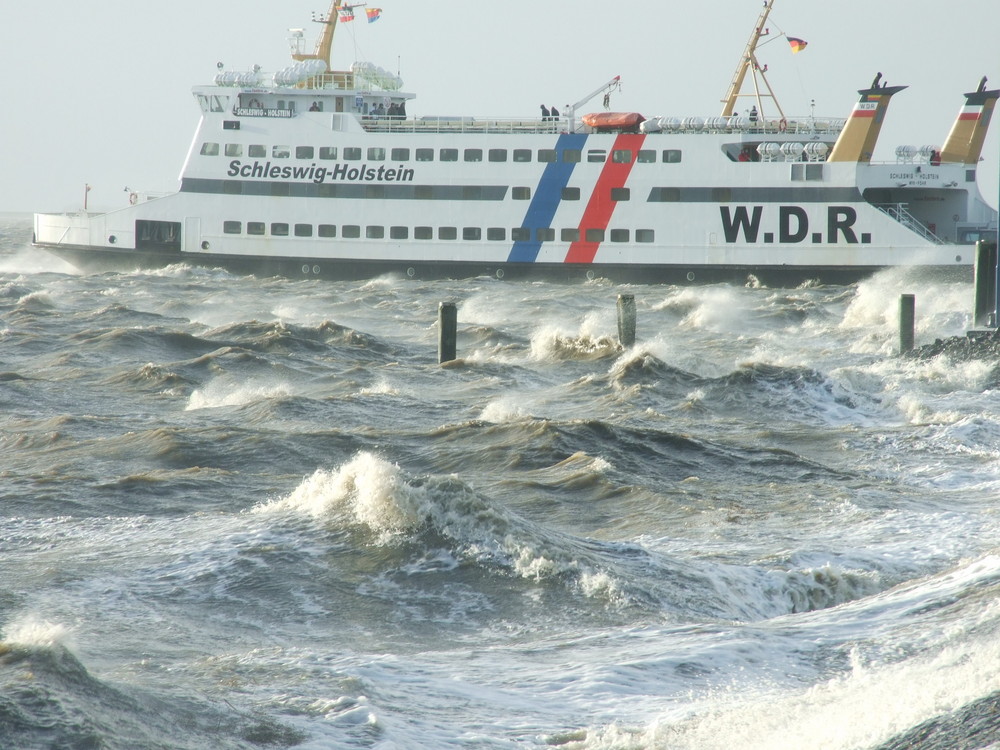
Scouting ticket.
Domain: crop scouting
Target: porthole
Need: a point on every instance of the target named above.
(958, 258)
(690, 276)
(499, 273)
(411, 272)
(112, 239)
(204, 245)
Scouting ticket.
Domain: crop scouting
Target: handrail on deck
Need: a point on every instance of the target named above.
(899, 212)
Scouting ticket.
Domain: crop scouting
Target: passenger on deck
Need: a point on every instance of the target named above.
(554, 112)
(545, 112)
(314, 107)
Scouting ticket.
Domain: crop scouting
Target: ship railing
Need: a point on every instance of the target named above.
(790, 129)
(460, 125)
(899, 212)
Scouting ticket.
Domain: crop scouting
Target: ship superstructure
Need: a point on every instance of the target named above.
(312, 171)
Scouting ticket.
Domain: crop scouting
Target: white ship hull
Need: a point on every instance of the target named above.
(269, 187)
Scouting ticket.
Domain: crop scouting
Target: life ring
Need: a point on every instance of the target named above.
(133, 198)
(782, 124)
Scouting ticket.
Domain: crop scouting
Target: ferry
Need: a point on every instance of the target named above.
(313, 172)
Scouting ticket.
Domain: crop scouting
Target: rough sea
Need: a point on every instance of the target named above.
(242, 512)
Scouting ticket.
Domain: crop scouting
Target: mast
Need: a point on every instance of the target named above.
(325, 42)
(748, 62)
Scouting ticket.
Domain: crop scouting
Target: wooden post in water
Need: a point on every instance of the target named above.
(987, 281)
(447, 331)
(907, 305)
(626, 319)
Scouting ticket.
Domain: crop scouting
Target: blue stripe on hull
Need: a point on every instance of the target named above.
(545, 201)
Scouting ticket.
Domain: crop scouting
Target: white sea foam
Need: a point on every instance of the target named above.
(33, 632)
(227, 392)
(372, 493)
(503, 409)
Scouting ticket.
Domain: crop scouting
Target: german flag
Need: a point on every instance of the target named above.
(797, 44)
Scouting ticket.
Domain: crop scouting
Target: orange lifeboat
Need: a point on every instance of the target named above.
(613, 120)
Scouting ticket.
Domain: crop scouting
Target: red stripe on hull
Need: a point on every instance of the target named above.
(600, 207)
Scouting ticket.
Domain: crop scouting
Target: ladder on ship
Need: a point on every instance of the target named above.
(899, 212)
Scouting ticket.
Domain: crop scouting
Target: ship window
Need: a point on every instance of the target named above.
(257, 151)
(217, 105)
(280, 152)
(352, 154)
(303, 230)
(595, 235)
(234, 149)
(232, 227)
(327, 230)
(350, 231)
(672, 156)
(304, 152)
(520, 234)
(546, 154)
(597, 155)
(522, 154)
(621, 193)
(255, 227)
(647, 156)
(447, 233)
(279, 229)
(545, 234)
(472, 233)
(619, 235)
(473, 154)
(472, 192)
(374, 191)
(815, 172)
(569, 235)
(425, 154)
(970, 175)
(423, 192)
(449, 154)
(571, 193)
(498, 154)
(376, 153)
(399, 233)
(621, 156)
(496, 233)
(328, 152)
(400, 154)
(423, 233)
(210, 149)
(521, 193)
(280, 188)
(572, 156)
(162, 235)
(232, 187)
(643, 235)
(722, 195)
(374, 231)
(664, 195)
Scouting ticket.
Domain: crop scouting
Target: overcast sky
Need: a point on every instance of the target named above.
(99, 92)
